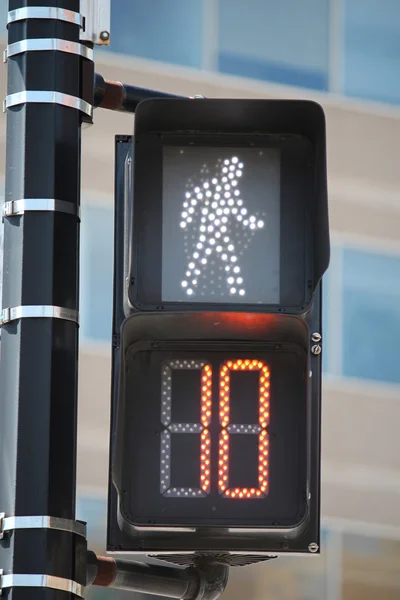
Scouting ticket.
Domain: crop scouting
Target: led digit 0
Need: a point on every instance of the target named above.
(228, 429)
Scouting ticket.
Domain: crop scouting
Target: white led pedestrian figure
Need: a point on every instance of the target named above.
(216, 210)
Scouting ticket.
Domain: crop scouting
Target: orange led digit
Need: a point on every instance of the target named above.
(224, 394)
(227, 429)
(205, 438)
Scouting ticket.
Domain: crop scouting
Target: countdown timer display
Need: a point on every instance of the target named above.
(221, 438)
(227, 429)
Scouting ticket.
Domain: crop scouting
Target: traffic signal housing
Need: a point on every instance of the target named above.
(221, 242)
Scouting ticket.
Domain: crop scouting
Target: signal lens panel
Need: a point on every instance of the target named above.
(221, 225)
(216, 437)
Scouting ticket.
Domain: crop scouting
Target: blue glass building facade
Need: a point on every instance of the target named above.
(351, 47)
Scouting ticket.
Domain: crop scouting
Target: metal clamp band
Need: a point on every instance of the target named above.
(36, 312)
(45, 12)
(12, 523)
(48, 97)
(41, 581)
(40, 44)
(15, 208)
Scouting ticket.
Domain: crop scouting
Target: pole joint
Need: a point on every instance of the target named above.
(122, 97)
(205, 580)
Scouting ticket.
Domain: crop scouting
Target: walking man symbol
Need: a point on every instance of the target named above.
(221, 227)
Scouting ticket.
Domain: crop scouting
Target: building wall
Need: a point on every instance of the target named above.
(361, 464)
(361, 393)
(361, 448)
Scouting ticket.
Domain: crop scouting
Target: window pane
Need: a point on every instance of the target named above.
(93, 510)
(3, 17)
(1, 249)
(332, 314)
(371, 568)
(372, 49)
(96, 272)
(325, 322)
(166, 30)
(283, 41)
(371, 316)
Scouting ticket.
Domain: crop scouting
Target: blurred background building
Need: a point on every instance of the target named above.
(345, 54)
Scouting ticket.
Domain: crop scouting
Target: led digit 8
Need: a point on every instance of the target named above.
(171, 428)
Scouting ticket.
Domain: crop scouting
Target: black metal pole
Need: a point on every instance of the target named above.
(50, 89)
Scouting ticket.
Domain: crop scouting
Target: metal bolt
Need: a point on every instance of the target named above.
(316, 349)
(316, 337)
(105, 35)
(313, 547)
(285, 546)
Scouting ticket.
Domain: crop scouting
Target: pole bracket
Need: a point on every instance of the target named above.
(45, 12)
(205, 580)
(14, 208)
(97, 15)
(12, 580)
(31, 312)
(8, 524)
(47, 97)
(47, 44)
